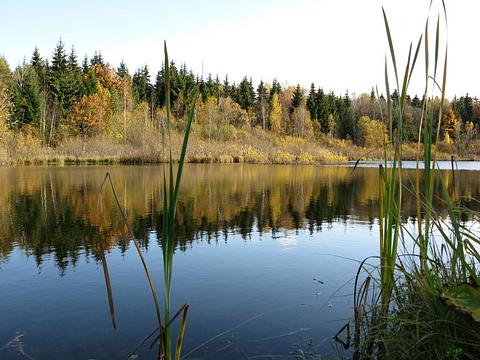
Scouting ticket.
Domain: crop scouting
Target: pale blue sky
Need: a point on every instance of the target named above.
(339, 44)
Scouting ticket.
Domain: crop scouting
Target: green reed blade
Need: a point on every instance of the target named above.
(184, 148)
(437, 44)
(389, 104)
(181, 333)
(170, 201)
(417, 50)
(390, 44)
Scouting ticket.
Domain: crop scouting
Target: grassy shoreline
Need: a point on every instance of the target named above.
(250, 146)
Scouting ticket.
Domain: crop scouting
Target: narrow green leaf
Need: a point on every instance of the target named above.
(390, 44)
(437, 45)
(181, 333)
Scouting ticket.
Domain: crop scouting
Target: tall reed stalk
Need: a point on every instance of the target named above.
(170, 199)
(390, 185)
(171, 188)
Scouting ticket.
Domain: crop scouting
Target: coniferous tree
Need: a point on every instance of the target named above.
(73, 82)
(159, 88)
(276, 88)
(36, 61)
(345, 120)
(210, 86)
(97, 59)
(416, 103)
(312, 105)
(226, 87)
(176, 85)
(141, 84)
(261, 105)
(322, 110)
(57, 77)
(202, 89)
(39, 66)
(297, 98)
(85, 65)
(217, 87)
(395, 98)
(26, 97)
(468, 108)
(90, 82)
(245, 94)
(122, 71)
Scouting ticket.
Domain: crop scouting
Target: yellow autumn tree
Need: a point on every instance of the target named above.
(276, 115)
(332, 125)
(207, 111)
(302, 123)
(5, 102)
(370, 132)
(107, 77)
(450, 125)
(90, 113)
(232, 114)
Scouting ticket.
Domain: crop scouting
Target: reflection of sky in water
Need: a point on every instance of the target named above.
(226, 284)
(443, 165)
(287, 241)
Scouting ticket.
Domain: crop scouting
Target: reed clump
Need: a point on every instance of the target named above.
(404, 307)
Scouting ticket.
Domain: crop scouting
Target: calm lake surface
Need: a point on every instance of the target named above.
(251, 241)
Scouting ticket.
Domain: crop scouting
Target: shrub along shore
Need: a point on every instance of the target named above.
(244, 146)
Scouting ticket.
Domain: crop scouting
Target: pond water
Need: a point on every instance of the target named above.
(266, 256)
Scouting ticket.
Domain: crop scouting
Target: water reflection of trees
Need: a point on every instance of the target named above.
(61, 212)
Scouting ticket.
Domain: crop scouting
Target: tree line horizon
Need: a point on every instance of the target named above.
(59, 97)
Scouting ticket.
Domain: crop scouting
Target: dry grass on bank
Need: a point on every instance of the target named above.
(225, 145)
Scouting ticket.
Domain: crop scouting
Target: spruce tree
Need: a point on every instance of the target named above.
(141, 85)
(261, 105)
(468, 108)
(85, 65)
(226, 87)
(90, 82)
(416, 102)
(322, 110)
(40, 67)
(72, 82)
(159, 88)
(276, 88)
(97, 59)
(122, 71)
(26, 97)
(312, 102)
(245, 94)
(297, 98)
(210, 86)
(59, 59)
(36, 61)
(57, 77)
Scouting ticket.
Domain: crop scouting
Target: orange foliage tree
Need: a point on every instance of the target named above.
(90, 113)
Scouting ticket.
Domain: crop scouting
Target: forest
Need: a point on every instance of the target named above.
(70, 109)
